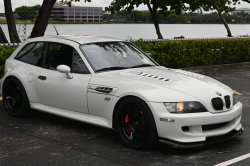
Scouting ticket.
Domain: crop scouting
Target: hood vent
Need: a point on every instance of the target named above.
(153, 76)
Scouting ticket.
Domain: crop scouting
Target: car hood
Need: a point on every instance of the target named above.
(159, 83)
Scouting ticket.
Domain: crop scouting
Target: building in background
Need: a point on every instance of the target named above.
(244, 10)
(76, 13)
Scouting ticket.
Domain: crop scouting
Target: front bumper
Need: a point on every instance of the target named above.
(196, 129)
(209, 140)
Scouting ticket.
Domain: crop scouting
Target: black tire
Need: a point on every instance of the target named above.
(135, 124)
(15, 99)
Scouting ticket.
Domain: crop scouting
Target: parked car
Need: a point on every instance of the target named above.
(113, 84)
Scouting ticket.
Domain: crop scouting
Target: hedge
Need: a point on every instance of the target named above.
(184, 53)
(5, 53)
(192, 53)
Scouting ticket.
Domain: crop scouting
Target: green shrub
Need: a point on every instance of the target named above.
(191, 53)
(5, 53)
(179, 54)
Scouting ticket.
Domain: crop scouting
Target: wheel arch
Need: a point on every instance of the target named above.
(16, 77)
(119, 102)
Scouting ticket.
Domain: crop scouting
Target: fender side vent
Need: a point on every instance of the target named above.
(103, 89)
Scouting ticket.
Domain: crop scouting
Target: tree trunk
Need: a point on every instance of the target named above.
(153, 13)
(14, 38)
(2, 36)
(42, 18)
(222, 18)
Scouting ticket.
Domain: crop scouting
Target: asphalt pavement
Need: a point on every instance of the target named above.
(45, 139)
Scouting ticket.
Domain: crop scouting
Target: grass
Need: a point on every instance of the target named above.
(3, 21)
(25, 21)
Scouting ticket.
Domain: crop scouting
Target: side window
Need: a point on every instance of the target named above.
(78, 64)
(58, 54)
(61, 54)
(32, 54)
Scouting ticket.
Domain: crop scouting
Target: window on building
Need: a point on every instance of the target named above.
(58, 9)
(65, 12)
(77, 9)
(71, 16)
(77, 16)
(32, 54)
(96, 17)
(70, 9)
(90, 16)
(96, 20)
(84, 13)
(71, 13)
(77, 13)
(96, 10)
(84, 16)
(90, 20)
(90, 13)
(57, 12)
(84, 9)
(96, 14)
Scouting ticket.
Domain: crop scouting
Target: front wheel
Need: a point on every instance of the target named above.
(135, 124)
(15, 99)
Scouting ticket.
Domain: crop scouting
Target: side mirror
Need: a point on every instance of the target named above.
(65, 69)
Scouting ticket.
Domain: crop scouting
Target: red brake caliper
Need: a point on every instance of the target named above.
(126, 121)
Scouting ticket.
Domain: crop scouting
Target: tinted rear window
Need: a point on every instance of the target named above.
(31, 53)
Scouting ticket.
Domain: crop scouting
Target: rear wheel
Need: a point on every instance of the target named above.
(15, 98)
(135, 124)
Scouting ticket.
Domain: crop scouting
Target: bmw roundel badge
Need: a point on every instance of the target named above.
(218, 93)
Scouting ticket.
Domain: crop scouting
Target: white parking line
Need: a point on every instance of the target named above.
(235, 160)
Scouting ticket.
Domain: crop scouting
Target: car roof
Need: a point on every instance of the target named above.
(81, 39)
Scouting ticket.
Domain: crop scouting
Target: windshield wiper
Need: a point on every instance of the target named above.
(111, 68)
(142, 65)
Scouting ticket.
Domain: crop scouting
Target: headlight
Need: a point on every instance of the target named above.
(185, 107)
(235, 99)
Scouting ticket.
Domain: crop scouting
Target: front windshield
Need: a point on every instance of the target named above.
(114, 55)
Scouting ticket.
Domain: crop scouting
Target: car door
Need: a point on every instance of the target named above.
(28, 62)
(54, 88)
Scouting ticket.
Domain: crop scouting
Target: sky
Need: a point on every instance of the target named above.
(94, 3)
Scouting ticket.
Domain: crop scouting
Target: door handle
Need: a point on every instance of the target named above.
(42, 77)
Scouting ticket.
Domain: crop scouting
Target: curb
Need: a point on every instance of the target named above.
(202, 69)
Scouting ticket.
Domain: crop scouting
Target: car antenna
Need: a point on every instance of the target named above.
(56, 30)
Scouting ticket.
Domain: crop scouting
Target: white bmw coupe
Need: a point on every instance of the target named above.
(112, 83)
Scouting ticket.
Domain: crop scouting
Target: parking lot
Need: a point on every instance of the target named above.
(45, 139)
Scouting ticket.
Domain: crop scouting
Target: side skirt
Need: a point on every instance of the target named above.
(95, 120)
